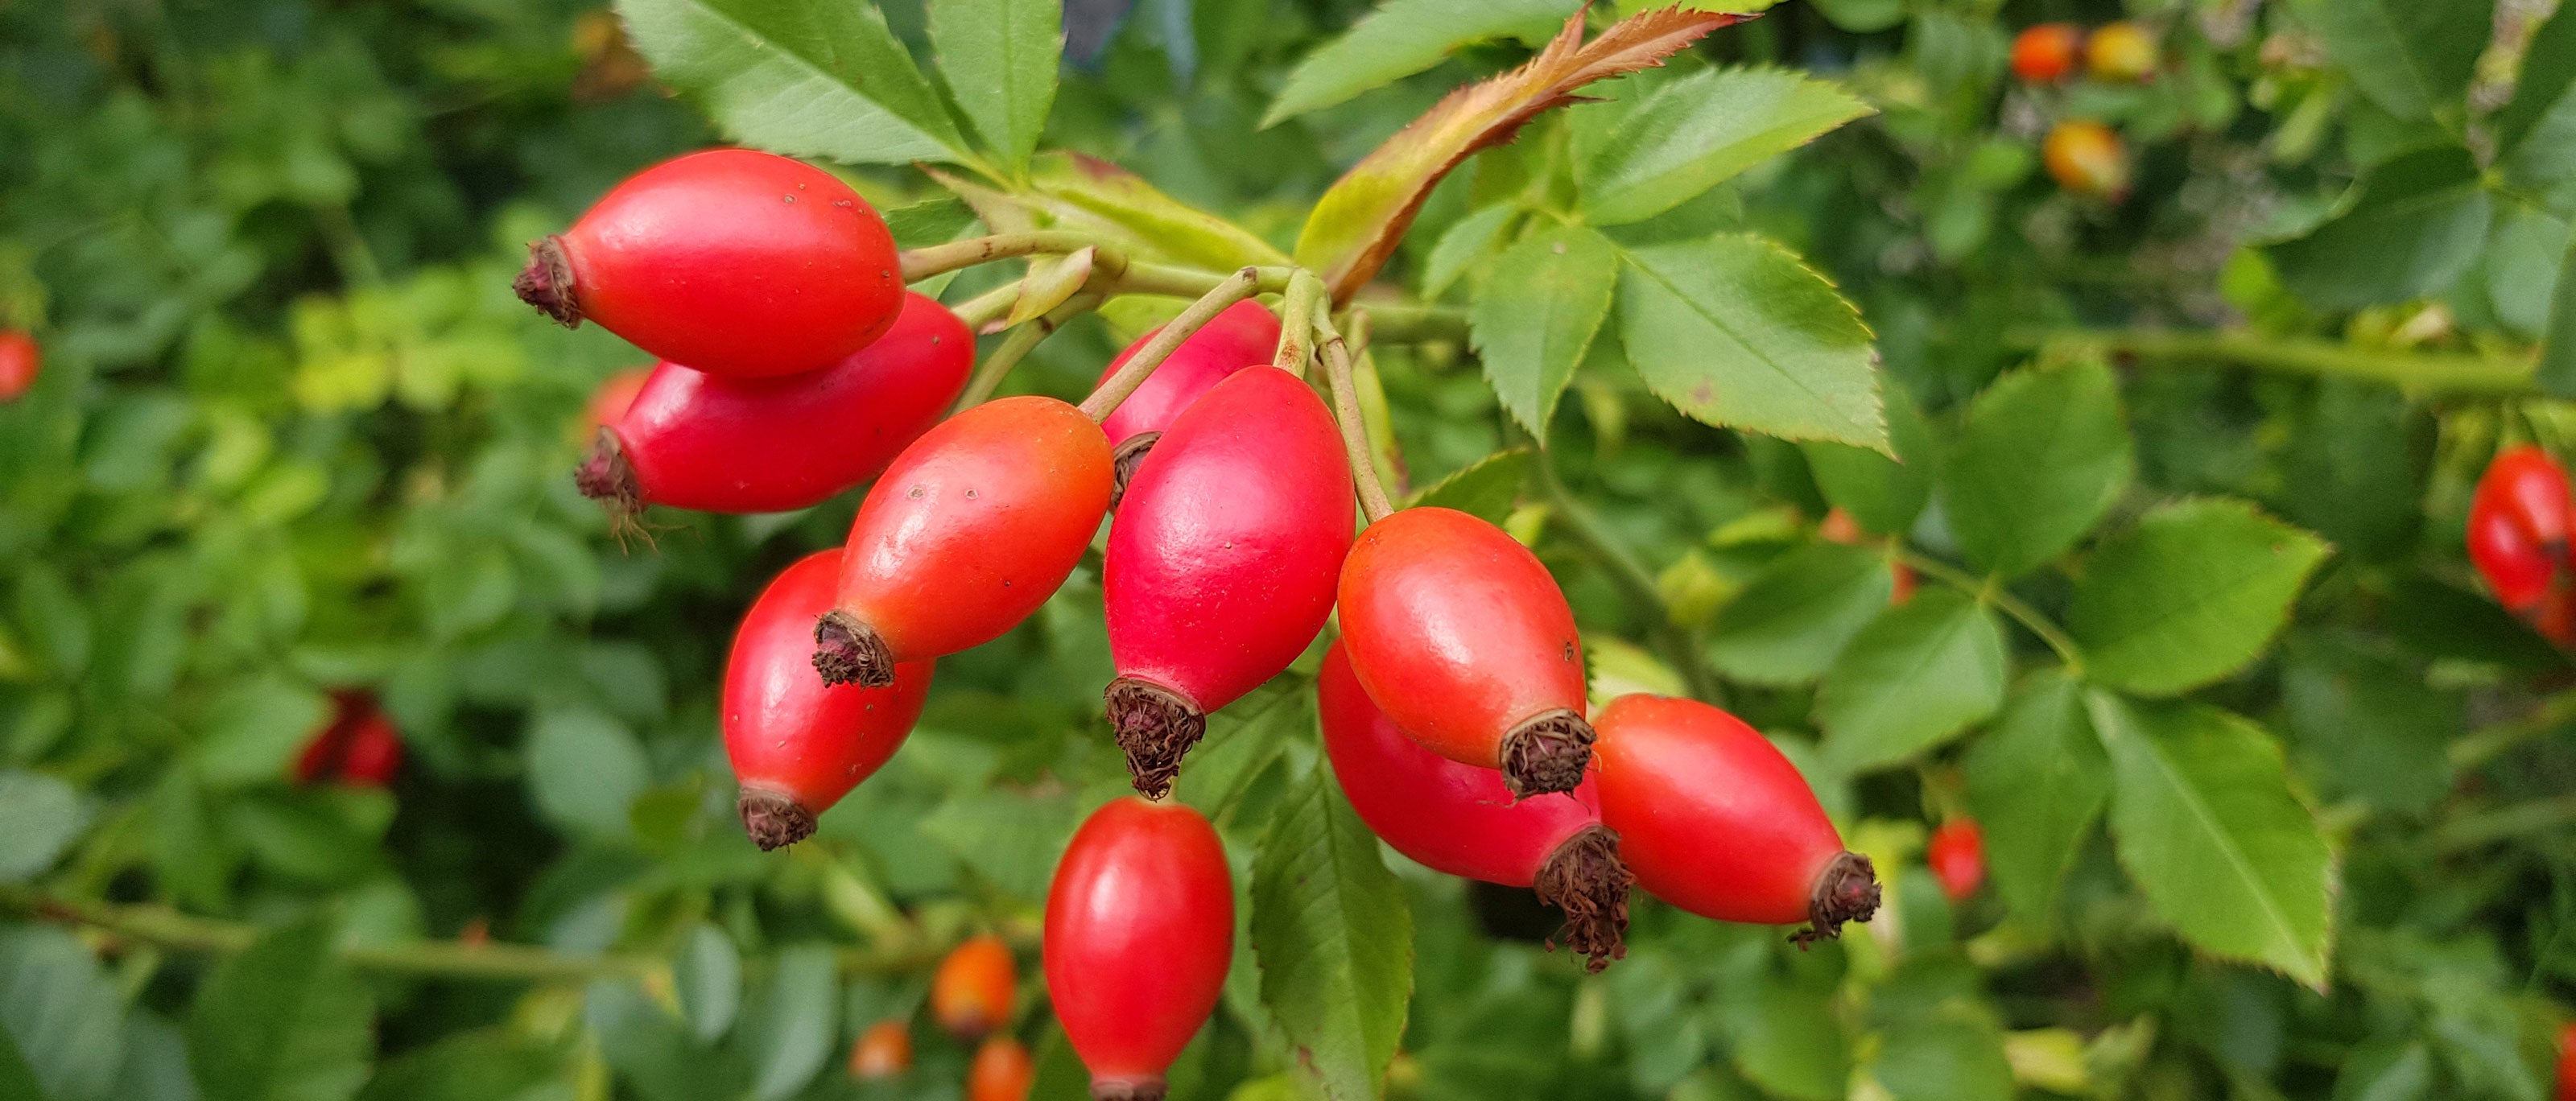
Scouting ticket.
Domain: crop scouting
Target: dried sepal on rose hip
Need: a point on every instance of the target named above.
(1222, 562)
(1459, 819)
(733, 261)
(1713, 819)
(799, 745)
(689, 439)
(970, 530)
(1461, 635)
(1139, 932)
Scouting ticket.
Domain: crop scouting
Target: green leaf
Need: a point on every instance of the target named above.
(2036, 782)
(1951, 1057)
(1242, 740)
(1404, 37)
(1334, 940)
(55, 620)
(706, 974)
(1737, 332)
(2535, 133)
(1464, 244)
(1794, 616)
(1085, 194)
(254, 730)
(2041, 456)
(1535, 316)
(820, 80)
(2409, 57)
(1010, 838)
(1862, 16)
(2188, 596)
(799, 1022)
(2204, 820)
(2421, 222)
(1923, 671)
(2352, 471)
(1789, 1042)
(282, 1021)
(40, 817)
(66, 1018)
(1000, 58)
(17, 1079)
(1485, 488)
(585, 770)
(2557, 374)
(2524, 249)
(2371, 724)
(480, 1065)
(1700, 131)
(1882, 494)
(654, 1053)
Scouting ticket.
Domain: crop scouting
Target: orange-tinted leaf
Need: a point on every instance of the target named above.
(1356, 225)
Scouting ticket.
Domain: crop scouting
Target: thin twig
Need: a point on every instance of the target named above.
(1016, 347)
(1103, 401)
(1346, 411)
(930, 260)
(2416, 372)
(1297, 323)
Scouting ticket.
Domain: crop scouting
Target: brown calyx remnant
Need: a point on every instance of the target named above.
(1156, 726)
(1848, 891)
(1585, 878)
(772, 819)
(1123, 463)
(547, 282)
(606, 477)
(847, 651)
(1546, 753)
(1142, 1088)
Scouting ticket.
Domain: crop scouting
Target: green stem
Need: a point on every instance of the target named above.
(1631, 577)
(1235, 288)
(2418, 372)
(1297, 323)
(2474, 830)
(922, 263)
(1399, 324)
(1346, 413)
(988, 307)
(2486, 743)
(1992, 592)
(1176, 282)
(1016, 347)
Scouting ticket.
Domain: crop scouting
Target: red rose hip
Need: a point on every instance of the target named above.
(1957, 854)
(1714, 820)
(798, 745)
(972, 528)
(1239, 336)
(1459, 819)
(20, 359)
(2046, 53)
(700, 441)
(1139, 930)
(1462, 637)
(733, 261)
(1221, 561)
(972, 992)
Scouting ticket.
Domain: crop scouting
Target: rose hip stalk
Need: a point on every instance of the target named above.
(1464, 639)
(1139, 929)
(1714, 820)
(796, 744)
(735, 262)
(1459, 818)
(972, 528)
(700, 441)
(1222, 561)
(1242, 335)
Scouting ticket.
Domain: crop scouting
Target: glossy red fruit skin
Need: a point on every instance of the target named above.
(972, 992)
(798, 746)
(972, 528)
(375, 752)
(2046, 53)
(326, 749)
(733, 261)
(1139, 930)
(1463, 638)
(699, 441)
(1002, 1071)
(1713, 819)
(2566, 1062)
(2514, 564)
(1243, 334)
(20, 359)
(2526, 484)
(1957, 854)
(615, 395)
(1461, 820)
(1222, 561)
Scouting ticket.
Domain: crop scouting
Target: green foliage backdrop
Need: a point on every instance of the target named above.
(2274, 797)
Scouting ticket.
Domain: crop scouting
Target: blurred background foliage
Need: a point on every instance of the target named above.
(295, 435)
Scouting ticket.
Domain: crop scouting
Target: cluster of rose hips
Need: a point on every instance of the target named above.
(1454, 703)
(2083, 155)
(2518, 525)
(971, 997)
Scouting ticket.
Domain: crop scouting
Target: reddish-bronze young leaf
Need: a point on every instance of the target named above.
(1357, 224)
